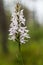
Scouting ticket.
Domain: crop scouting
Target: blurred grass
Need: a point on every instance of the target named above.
(32, 53)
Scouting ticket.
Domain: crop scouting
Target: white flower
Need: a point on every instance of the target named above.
(16, 27)
(21, 17)
(22, 41)
(12, 38)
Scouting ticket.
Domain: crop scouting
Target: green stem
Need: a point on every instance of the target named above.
(20, 54)
(19, 48)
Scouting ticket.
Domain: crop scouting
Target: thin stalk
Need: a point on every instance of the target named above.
(19, 45)
(20, 54)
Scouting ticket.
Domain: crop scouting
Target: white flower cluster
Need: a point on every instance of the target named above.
(18, 26)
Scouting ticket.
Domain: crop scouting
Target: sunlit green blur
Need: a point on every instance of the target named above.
(32, 51)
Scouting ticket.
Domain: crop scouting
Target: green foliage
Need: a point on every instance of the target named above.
(32, 54)
(32, 51)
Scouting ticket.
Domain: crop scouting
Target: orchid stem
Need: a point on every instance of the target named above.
(20, 54)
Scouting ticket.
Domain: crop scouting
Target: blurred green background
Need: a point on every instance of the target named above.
(32, 51)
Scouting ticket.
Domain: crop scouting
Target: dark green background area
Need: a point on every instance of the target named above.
(32, 51)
